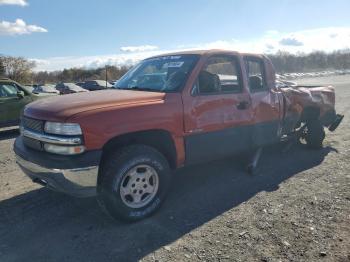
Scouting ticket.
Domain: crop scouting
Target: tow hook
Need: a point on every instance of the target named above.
(336, 122)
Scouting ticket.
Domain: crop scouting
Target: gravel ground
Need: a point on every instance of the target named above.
(297, 208)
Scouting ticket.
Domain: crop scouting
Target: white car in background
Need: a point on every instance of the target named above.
(47, 89)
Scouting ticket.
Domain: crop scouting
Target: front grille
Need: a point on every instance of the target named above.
(32, 143)
(33, 124)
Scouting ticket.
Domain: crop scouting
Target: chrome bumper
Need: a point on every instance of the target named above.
(80, 182)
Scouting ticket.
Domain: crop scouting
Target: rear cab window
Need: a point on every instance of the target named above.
(256, 74)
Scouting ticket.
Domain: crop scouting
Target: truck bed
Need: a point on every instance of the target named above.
(303, 99)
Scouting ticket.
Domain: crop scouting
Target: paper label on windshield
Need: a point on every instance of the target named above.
(174, 64)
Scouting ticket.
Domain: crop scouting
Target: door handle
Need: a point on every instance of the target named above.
(242, 105)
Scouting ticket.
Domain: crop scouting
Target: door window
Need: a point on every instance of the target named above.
(7, 90)
(219, 75)
(256, 76)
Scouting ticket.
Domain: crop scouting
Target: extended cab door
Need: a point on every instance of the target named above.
(265, 101)
(217, 111)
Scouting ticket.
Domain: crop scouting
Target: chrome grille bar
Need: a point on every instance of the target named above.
(52, 139)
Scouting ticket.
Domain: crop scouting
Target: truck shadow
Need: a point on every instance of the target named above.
(48, 226)
(8, 133)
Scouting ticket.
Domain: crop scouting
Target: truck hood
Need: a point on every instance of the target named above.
(59, 108)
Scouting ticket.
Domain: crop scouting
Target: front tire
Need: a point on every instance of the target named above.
(315, 134)
(133, 182)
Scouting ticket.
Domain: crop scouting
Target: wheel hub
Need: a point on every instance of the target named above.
(139, 186)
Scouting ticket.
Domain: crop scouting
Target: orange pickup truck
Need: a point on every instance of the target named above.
(168, 111)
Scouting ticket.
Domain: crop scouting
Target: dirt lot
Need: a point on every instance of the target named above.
(297, 208)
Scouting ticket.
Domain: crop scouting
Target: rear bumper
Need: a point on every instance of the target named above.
(336, 123)
(73, 175)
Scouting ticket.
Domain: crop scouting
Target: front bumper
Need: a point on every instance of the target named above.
(73, 175)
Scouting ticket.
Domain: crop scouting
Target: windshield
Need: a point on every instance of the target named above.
(160, 74)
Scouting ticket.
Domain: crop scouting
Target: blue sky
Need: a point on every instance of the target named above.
(65, 33)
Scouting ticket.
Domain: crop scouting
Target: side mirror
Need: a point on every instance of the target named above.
(20, 94)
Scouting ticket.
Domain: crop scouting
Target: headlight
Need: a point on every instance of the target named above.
(62, 128)
(64, 150)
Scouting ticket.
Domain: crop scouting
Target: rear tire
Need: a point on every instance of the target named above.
(133, 183)
(315, 134)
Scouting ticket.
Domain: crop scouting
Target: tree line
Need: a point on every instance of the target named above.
(80, 74)
(22, 70)
(285, 62)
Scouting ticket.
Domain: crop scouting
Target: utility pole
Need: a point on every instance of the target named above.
(106, 75)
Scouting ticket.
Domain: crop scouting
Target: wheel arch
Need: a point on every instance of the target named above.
(159, 139)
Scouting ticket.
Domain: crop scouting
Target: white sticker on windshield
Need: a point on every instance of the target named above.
(174, 64)
(170, 57)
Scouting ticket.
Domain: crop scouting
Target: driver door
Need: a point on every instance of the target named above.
(218, 111)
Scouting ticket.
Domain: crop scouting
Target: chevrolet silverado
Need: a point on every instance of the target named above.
(167, 112)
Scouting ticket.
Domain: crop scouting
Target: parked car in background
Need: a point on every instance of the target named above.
(112, 82)
(29, 88)
(69, 88)
(80, 84)
(13, 98)
(93, 85)
(47, 89)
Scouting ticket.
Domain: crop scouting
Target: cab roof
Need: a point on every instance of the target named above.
(207, 52)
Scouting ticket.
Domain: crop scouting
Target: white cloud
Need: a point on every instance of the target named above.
(301, 41)
(14, 2)
(141, 48)
(325, 39)
(19, 27)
